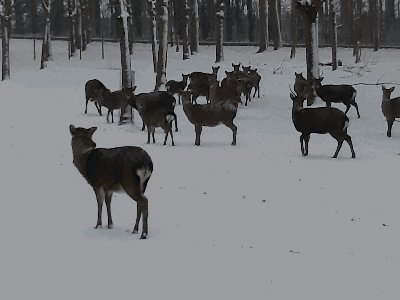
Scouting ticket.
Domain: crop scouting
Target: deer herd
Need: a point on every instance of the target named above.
(129, 168)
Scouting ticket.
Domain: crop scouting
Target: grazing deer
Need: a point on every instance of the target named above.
(116, 100)
(342, 93)
(177, 87)
(210, 115)
(200, 85)
(110, 170)
(95, 90)
(320, 120)
(390, 108)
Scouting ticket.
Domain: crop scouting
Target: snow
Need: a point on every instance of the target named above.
(252, 221)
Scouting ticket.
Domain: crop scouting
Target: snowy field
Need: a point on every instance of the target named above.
(254, 221)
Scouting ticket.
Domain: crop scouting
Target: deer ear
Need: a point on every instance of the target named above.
(392, 89)
(72, 129)
(92, 130)
(134, 88)
(292, 96)
(255, 70)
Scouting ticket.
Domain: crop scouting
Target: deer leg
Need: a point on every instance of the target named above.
(258, 90)
(301, 145)
(108, 113)
(328, 104)
(98, 106)
(169, 130)
(306, 140)
(148, 134)
(100, 199)
(234, 131)
(108, 197)
(138, 215)
(340, 143)
(389, 130)
(198, 128)
(356, 106)
(112, 116)
(153, 130)
(176, 122)
(347, 108)
(87, 100)
(348, 140)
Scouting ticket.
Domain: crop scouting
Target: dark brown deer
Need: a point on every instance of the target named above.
(390, 108)
(300, 85)
(177, 87)
(255, 79)
(209, 115)
(242, 84)
(95, 90)
(223, 93)
(200, 85)
(110, 170)
(116, 100)
(342, 93)
(320, 120)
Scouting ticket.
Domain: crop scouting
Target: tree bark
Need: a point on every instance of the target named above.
(151, 7)
(276, 28)
(333, 35)
(194, 26)
(263, 20)
(185, 36)
(162, 27)
(71, 6)
(219, 31)
(293, 29)
(5, 40)
(46, 45)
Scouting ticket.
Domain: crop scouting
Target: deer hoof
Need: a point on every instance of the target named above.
(111, 226)
(135, 231)
(98, 226)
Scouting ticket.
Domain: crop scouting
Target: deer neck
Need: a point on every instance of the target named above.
(81, 154)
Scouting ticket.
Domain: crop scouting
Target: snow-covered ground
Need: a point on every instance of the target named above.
(254, 221)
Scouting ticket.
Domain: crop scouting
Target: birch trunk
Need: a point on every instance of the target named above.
(162, 26)
(219, 31)
(334, 35)
(71, 16)
(185, 37)
(151, 7)
(122, 17)
(46, 45)
(264, 36)
(5, 40)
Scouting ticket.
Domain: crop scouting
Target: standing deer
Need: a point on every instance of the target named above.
(177, 87)
(390, 108)
(320, 120)
(342, 93)
(110, 170)
(95, 91)
(200, 85)
(210, 115)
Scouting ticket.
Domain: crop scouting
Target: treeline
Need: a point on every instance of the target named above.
(366, 21)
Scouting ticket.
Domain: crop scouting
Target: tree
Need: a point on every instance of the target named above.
(185, 36)
(5, 39)
(47, 54)
(293, 29)
(162, 30)
(151, 8)
(219, 31)
(194, 26)
(309, 11)
(276, 28)
(264, 36)
(334, 35)
(71, 8)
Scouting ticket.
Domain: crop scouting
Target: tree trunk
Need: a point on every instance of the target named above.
(219, 31)
(162, 26)
(78, 25)
(151, 7)
(5, 40)
(276, 28)
(185, 36)
(333, 35)
(293, 29)
(19, 16)
(46, 45)
(263, 20)
(34, 25)
(194, 26)
(71, 16)
(228, 20)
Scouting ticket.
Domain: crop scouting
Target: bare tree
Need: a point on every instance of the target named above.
(162, 30)
(5, 38)
(309, 11)
(194, 26)
(185, 36)
(47, 54)
(264, 36)
(151, 8)
(219, 31)
(293, 29)
(334, 34)
(276, 28)
(71, 9)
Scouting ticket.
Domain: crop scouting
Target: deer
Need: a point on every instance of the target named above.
(210, 115)
(155, 100)
(255, 79)
(119, 99)
(154, 117)
(199, 84)
(321, 120)
(223, 93)
(390, 108)
(108, 170)
(95, 90)
(300, 84)
(177, 87)
(242, 84)
(342, 93)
